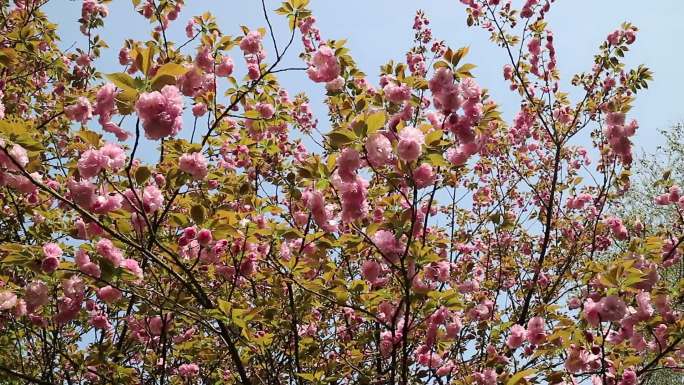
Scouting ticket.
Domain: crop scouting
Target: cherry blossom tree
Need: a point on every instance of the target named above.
(657, 174)
(417, 237)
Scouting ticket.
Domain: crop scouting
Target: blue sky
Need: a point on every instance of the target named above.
(380, 30)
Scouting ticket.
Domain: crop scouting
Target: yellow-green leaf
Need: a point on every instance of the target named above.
(125, 100)
(375, 121)
(433, 137)
(520, 375)
(224, 306)
(160, 81)
(142, 174)
(197, 213)
(458, 55)
(173, 69)
(90, 137)
(341, 137)
(121, 80)
(464, 70)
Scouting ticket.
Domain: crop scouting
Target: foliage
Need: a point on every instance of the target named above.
(426, 239)
(654, 175)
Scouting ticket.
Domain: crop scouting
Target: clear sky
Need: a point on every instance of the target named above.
(380, 30)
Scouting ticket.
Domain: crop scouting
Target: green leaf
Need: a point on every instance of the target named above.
(297, 4)
(173, 69)
(282, 10)
(340, 294)
(375, 122)
(341, 137)
(197, 213)
(28, 142)
(16, 259)
(464, 70)
(438, 160)
(226, 43)
(495, 218)
(458, 55)
(179, 219)
(10, 128)
(142, 174)
(292, 233)
(159, 81)
(307, 376)
(238, 317)
(167, 74)
(10, 247)
(89, 137)
(122, 80)
(125, 100)
(224, 306)
(143, 58)
(433, 137)
(251, 114)
(8, 57)
(520, 375)
(633, 278)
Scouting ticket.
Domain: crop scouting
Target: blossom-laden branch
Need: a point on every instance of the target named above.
(135, 255)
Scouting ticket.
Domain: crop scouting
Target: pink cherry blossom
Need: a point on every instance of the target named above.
(81, 111)
(323, 67)
(591, 312)
(410, 143)
(225, 67)
(266, 110)
(188, 370)
(49, 264)
(335, 85)
(116, 157)
(199, 109)
(160, 112)
(105, 102)
(629, 377)
(321, 214)
(17, 157)
(82, 192)
(36, 295)
(379, 150)
(535, 330)
(108, 294)
(204, 59)
(347, 164)
(397, 93)
(52, 254)
(423, 176)
(353, 197)
(108, 251)
(517, 337)
(612, 308)
(133, 267)
(508, 72)
(251, 44)
(387, 243)
(152, 198)
(7, 300)
(52, 250)
(370, 270)
(84, 264)
(204, 237)
(194, 164)
(577, 359)
(446, 94)
(644, 306)
(91, 163)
